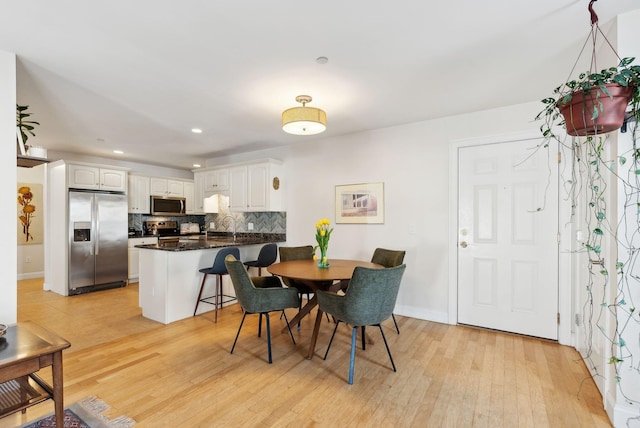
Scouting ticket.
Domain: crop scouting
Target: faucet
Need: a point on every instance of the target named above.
(233, 221)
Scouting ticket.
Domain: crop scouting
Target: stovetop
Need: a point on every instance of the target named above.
(160, 228)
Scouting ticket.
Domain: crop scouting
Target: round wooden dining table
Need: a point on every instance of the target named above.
(328, 279)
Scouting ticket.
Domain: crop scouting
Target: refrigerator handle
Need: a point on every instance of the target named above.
(96, 213)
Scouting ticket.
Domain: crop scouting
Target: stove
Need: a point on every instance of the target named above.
(161, 228)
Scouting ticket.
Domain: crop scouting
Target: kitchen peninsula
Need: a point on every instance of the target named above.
(170, 278)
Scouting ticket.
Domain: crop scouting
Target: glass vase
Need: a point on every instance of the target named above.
(322, 262)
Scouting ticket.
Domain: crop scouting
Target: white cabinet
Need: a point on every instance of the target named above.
(238, 189)
(207, 183)
(134, 255)
(189, 197)
(138, 194)
(198, 193)
(97, 178)
(166, 187)
(216, 180)
(255, 187)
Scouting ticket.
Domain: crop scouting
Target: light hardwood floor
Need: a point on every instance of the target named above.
(182, 375)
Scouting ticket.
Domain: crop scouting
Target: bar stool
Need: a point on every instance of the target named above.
(266, 257)
(218, 269)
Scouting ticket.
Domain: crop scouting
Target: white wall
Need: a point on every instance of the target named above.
(413, 162)
(32, 252)
(627, 397)
(8, 290)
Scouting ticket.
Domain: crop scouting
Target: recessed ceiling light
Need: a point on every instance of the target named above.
(322, 60)
(196, 165)
(118, 152)
(196, 130)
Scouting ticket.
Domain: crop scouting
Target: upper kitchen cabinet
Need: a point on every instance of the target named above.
(207, 183)
(97, 178)
(139, 194)
(216, 181)
(256, 187)
(190, 206)
(198, 193)
(166, 187)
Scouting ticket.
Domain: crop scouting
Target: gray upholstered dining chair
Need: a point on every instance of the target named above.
(369, 300)
(254, 300)
(389, 258)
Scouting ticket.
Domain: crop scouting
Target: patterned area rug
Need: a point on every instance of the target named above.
(87, 413)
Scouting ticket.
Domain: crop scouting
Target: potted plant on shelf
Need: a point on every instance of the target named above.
(25, 126)
(595, 103)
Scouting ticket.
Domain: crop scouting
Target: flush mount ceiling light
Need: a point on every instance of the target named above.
(304, 120)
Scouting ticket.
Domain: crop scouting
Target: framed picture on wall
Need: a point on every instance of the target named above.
(360, 203)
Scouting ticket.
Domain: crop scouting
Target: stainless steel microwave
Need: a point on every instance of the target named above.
(165, 205)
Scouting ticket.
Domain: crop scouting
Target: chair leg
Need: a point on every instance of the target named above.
(288, 326)
(354, 339)
(300, 306)
(218, 299)
(260, 325)
(396, 323)
(204, 278)
(387, 346)
(363, 341)
(266, 315)
(238, 333)
(331, 340)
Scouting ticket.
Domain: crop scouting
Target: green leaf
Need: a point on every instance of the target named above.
(622, 160)
(597, 231)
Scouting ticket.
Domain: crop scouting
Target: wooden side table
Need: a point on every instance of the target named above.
(25, 349)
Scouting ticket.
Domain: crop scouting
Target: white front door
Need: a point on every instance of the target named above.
(508, 238)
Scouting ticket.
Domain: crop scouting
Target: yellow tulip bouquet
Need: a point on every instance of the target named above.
(323, 233)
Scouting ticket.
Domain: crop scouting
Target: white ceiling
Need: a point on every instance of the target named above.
(138, 75)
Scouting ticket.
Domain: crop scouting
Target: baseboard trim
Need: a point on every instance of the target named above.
(30, 275)
(413, 312)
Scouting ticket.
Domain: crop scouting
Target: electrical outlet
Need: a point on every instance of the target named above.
(212, 225)
(28, 259)
(250, 226)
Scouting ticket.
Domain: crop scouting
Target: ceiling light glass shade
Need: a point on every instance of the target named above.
(304, 120)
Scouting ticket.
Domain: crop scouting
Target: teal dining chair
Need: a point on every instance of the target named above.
(369, 300)
(389, 258)
(262, 301)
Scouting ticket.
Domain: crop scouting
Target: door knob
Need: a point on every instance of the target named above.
(463, 244)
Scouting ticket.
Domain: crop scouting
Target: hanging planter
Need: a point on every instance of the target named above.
(597, 101)
(597, 111)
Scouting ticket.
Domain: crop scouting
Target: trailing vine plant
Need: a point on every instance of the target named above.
(597, 175)
(590, 181)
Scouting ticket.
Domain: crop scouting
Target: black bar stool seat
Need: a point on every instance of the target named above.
(219, 269)
(266, 257)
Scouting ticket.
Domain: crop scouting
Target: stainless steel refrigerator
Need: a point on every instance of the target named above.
(98, 253)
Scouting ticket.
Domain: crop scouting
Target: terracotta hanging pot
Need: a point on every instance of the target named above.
(579, 111)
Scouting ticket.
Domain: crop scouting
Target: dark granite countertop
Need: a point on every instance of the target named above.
(217, 240)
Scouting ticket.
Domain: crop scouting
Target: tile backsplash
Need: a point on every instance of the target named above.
(263, 222)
